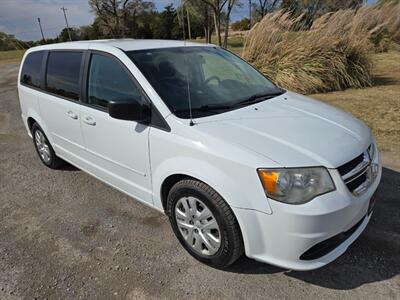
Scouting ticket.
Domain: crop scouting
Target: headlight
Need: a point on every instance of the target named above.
(296, 186)
(371, 151)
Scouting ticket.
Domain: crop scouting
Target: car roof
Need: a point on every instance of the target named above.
(125, 44)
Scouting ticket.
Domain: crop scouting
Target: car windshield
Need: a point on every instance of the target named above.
(212, 79)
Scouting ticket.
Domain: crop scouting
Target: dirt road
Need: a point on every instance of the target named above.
(66, 235)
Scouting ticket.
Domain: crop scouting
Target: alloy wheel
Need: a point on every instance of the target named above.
(42, 146)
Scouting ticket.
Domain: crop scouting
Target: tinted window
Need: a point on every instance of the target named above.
(109, 81)
(31, 70)
(62, 77)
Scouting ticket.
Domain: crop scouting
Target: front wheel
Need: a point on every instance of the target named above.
(204, 223)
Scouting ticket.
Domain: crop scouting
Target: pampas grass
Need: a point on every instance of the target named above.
(332, 54)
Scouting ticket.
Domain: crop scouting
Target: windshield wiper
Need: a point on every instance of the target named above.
(259, 97)
(207, 107)
(250, 100)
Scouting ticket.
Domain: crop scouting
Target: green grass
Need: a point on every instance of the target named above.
(12, 56)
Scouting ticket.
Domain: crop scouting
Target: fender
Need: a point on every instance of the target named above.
(225, 185)
(33, 114)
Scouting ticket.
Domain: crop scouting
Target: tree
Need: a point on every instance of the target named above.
(217, 7)
(201, 12)
(231, 3)
(108, 12)
(265, 6)
(91, 32)
(64, 37)
(241, 25)
(117, 17)
(168, 26)
(140, 14)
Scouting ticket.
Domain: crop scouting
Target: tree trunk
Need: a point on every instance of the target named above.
(249, 14)
(188, 23)
(226, 31)
(231, 3)
(217, 22)
(207, 22)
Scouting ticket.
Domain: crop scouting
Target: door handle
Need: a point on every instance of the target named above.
(72, 115)
(89, 120)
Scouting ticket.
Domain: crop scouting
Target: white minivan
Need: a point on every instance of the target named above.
(238, 164)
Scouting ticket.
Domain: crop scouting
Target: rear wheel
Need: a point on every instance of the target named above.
(204, 223)
(44, 149)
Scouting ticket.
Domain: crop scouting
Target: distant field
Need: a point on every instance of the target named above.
(11, 56)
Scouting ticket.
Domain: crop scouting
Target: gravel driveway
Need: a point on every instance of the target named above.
(66, 235)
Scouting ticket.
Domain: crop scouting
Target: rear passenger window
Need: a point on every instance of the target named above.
(62, 76)
(31, 70)
(109, 81)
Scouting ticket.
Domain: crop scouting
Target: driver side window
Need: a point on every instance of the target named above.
(109, 81)
(216, 72)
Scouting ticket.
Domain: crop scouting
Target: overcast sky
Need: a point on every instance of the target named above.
(19, 17)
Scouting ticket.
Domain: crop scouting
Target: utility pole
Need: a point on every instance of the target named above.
(41, 30)
(250, 13)
(66, 22)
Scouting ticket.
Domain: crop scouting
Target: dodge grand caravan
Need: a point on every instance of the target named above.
(238, 164)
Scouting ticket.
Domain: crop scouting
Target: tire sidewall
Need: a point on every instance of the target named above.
(49, 164)
(223, 255)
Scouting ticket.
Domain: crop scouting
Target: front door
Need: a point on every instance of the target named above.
(116, 150)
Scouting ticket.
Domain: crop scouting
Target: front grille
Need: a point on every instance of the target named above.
(357, 174)
(353, 185)
(347, 167)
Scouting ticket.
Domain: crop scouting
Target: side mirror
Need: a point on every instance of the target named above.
(130, 110)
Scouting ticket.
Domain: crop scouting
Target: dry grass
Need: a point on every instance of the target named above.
(308, 61)
(380, 23)
(334, 54)
(378, 106)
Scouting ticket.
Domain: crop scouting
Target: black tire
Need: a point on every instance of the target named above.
(54, 161)
(231, 247)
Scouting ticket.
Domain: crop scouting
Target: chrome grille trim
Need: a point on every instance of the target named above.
(359, 169)
(365, 168)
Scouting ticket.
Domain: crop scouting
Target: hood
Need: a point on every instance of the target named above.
(293, 131)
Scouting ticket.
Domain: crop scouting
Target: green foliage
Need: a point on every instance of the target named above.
(9, 42)
(243, 24)
(166, 25)
(64, 36)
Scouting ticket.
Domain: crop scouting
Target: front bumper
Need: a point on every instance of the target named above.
(282, 237)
